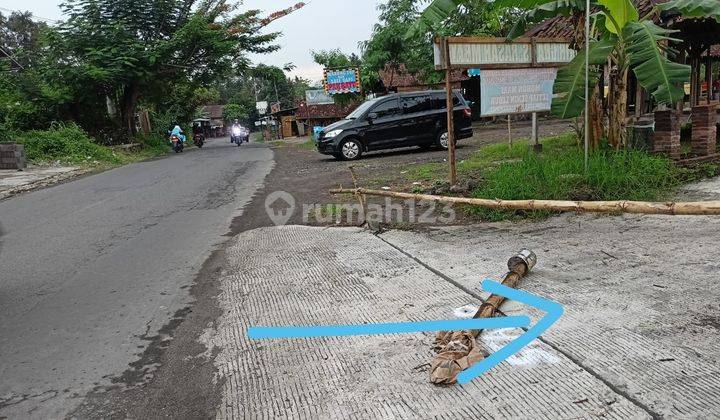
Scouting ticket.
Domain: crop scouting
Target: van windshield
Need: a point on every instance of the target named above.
(359, 111)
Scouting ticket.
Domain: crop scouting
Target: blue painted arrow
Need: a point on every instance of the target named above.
(265, 333)
(554, 312)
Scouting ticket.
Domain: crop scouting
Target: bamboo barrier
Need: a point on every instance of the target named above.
(633, 207)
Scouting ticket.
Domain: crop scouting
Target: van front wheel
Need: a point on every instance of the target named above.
(350, 149)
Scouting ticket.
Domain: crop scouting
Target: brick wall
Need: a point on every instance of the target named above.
(704, 130)
(12, 156)
(666, 139)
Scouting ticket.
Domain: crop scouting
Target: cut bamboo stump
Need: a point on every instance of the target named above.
(700, 208)
(458, 350)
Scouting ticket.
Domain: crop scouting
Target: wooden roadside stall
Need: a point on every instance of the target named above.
(515, 77)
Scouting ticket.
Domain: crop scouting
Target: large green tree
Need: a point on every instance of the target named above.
(127, 51)
(402, 38)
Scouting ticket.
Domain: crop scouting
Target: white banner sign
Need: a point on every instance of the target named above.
(516, 91)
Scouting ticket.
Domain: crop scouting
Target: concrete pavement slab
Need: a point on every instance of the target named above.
(640, 294)
(14, 181)
(314, 276)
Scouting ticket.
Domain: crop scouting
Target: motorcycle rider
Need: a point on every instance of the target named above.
(234, 131)
(178, 132)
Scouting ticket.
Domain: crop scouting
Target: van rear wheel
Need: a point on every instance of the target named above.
(442, 140)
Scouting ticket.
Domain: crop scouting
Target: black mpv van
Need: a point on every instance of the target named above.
(397, 120)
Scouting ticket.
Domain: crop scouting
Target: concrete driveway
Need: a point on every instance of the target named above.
(638, 338)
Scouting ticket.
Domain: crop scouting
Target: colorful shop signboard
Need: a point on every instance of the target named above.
(342, 81)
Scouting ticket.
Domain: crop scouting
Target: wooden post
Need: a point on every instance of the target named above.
(638, 100)
(450, 114)
(510, 142)
(709, 76)
(537, 147)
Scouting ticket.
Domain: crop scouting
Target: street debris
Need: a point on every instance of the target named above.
(458, 350)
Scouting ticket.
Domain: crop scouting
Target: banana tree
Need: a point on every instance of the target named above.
(618, 36)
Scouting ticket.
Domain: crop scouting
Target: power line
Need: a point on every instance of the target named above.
(7, 54)
(4, 9)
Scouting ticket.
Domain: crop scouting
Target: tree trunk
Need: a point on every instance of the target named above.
(130, 98)
(597, 118)
(617, 133)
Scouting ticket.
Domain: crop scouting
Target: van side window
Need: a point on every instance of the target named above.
(416, 103)
(440, 101)
(387, 109)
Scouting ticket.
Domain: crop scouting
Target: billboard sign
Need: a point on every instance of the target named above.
(261, 107)
(342, 81)
(318, 97)
(516, 91)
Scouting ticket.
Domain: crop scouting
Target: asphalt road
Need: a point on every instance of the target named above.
(91, 270)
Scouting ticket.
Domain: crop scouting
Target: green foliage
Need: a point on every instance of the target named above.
(638, 44)
(693, 8)
(648, 57)
(436, 11)
(403, 38)
(621, 12)
(238, 112)
(569, 87)
(263, 83)
(146, 51)
(540, 11)
(66, 143)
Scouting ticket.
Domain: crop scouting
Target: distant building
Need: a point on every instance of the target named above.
(321, 115)
(214, 113)
(400, 80)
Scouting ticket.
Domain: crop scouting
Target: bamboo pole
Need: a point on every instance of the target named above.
(616, 207)
(450, 113)
(457, 350)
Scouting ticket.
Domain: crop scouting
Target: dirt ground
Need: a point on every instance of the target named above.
(308, 175)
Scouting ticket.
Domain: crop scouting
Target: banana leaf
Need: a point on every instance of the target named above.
(648, 58)
(544, 11)
(622, 12)
(694, 8)
(434, 14)
(569, 87)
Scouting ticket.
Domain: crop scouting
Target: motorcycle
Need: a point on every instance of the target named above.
(199, 140)
(239, 135)
(177, 144)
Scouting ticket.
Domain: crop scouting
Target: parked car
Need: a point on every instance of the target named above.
(397, 120)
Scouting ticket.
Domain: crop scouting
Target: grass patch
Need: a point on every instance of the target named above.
(489, 156)
(257, 137)
(517, 173)
(307, 145)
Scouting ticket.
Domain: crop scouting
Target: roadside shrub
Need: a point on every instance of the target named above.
(560, 175)
(153, 142)
(66, 143)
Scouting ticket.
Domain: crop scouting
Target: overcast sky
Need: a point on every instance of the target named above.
(321, 25)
